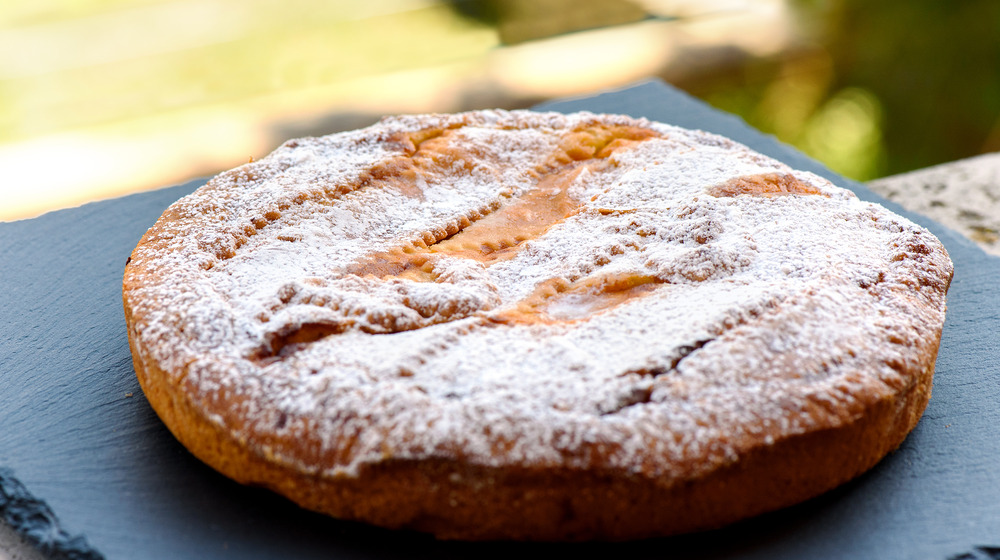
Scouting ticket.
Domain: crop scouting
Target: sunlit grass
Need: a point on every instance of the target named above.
(99, 98)
(159, 57)
(47, 11)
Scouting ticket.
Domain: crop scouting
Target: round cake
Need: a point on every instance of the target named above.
(518, 325)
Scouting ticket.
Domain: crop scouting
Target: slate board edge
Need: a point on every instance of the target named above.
(26, 514)
(34, 520)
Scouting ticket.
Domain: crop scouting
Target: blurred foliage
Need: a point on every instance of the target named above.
(45, 11)
(873, 88)
(78, 63)
(518, 21)
(886, 87)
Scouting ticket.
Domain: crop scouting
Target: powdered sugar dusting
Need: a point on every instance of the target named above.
(760, 315)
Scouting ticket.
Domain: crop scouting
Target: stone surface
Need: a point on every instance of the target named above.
(963, 195)
(14, 547)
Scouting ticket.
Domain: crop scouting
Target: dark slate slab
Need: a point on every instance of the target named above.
(88, 471)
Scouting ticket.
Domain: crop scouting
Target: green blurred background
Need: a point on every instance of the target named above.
(103, 97)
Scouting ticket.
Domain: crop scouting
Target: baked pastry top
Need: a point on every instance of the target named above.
(533, 325)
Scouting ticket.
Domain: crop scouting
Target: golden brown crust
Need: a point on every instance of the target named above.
(474, 503)
(825, 402)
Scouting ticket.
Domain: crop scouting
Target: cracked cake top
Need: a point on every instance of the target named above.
(592, 292)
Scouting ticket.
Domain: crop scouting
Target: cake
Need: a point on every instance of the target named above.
(534, 326)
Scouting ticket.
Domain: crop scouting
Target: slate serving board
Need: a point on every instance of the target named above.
(88, 471)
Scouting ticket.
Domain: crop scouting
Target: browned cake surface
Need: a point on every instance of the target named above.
(534, 326)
